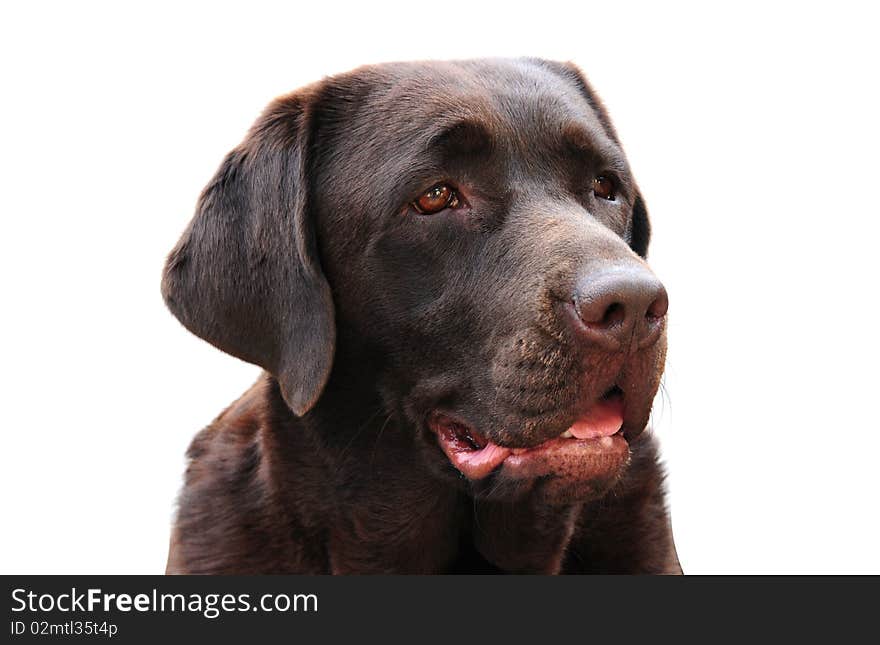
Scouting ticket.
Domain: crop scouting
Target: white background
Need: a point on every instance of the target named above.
(753, 130)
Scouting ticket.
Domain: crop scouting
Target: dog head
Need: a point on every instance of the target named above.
(465, 236)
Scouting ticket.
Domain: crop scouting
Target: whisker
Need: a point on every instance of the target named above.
(354, 436)
(378, 437)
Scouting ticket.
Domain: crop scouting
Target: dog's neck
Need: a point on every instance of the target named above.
(379, 507)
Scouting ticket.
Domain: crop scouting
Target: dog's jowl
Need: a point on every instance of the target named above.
(441, 269)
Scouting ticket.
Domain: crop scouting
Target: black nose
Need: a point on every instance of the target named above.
(618, 303)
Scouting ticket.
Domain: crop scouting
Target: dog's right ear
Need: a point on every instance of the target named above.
(245, 275)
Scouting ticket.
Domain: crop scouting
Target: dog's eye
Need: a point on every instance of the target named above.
(436, 199)
(604, 187)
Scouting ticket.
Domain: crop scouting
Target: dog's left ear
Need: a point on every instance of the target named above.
(245, 275)
(640, 234)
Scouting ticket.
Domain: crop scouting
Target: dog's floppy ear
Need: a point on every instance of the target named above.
(245, 275)
(640, 234)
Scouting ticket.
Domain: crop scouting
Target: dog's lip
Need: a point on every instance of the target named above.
(593, 446)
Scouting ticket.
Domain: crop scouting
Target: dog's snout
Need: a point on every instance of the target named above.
(619, 303)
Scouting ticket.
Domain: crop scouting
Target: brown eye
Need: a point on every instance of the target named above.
(436, 199)
(604, 187)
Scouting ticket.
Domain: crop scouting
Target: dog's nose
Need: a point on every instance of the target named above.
(620, 304)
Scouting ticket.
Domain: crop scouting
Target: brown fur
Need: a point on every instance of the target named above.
(304, 259)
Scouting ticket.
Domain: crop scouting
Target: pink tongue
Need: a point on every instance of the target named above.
(602, 420)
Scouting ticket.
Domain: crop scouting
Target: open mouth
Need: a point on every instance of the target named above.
(592, 447)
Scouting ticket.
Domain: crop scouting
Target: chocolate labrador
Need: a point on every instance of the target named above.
(440, 267)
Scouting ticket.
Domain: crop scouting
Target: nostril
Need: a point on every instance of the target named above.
(599, 313)
(614, 315)
(659, 307)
